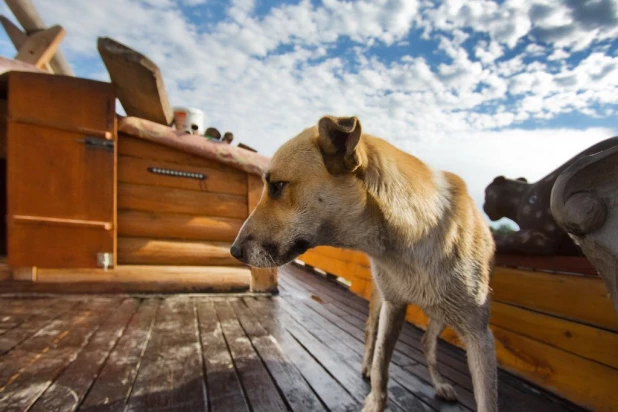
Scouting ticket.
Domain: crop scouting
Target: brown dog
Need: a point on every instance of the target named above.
(427, 242)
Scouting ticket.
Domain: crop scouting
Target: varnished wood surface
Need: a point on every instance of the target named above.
(299, 351)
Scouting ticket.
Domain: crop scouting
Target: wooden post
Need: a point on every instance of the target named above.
(18, 37)
(262, 280)
(28, 17)
(40, 47)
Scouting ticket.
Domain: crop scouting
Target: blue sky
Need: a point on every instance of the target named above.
(478, 87)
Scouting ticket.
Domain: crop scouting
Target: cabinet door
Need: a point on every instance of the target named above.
(61, 171)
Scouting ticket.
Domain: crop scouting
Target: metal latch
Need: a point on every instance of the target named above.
(104, 260)
(97, 143)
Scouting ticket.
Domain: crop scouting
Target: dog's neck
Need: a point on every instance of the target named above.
(403, 202)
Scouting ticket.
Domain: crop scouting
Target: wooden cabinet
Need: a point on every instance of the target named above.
(61, 171)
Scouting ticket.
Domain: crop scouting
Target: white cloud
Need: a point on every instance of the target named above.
(266, 77)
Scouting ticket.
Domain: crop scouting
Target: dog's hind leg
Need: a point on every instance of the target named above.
(391, 321)
(430, 343)
(371, 331)
(480, 347)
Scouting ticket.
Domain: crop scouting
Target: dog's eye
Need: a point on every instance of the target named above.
(275, 188)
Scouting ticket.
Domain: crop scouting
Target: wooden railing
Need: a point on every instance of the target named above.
(556, 330)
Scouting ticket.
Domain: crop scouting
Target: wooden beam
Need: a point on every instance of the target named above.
(25, 273)
(28, 17)
(138, 278)
(177, 226)
(40, 47)
(262, 279)
(143, 251)
(18, 37)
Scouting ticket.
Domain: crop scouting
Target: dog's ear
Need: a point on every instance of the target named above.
(339, 138)
(522, 179)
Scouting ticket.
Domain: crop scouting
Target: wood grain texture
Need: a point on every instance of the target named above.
(217, 277)
(169, 376)
(290, 381)
(346, 269)
(177, 226)
(588, 342)
(579, 298)
(260, 389)
(332, 393)
(299, 351)
(138, 81)
(589, 384)
(70, 386)
(135, 170)
(143, 251)
(240, 159)
(564, 264)
(71, 182)
(223, 382)
(39, 48)
(112, 387)
(132, 146)
(565, 317)
(29, 18)
(166, 200)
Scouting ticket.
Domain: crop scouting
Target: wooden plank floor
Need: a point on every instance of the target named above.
(299, 351)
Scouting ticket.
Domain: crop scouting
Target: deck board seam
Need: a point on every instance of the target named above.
(107, 355)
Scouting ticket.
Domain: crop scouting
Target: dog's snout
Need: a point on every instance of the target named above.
(237, 251)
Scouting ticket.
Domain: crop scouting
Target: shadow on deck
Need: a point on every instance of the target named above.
(299, 351)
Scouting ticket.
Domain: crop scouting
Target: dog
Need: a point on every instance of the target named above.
(427, 242)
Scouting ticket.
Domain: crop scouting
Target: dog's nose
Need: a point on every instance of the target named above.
(237, 251)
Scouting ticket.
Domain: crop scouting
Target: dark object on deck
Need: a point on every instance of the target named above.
(138, 81)
(228, 137)
(583, 202)
(528, 204)
(213, 133)
(244, 146)
(181, 353)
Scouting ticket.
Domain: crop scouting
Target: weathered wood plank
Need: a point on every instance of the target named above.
(331, 392)
(136, 170)
(514, 394)
(580, 298)
(177, 226)
(15, 336)
(225, 391)
(110, 391)
(260, 389)
(167, 200)
(418, 397)
(298, 393)
(71, 385)
(31, 368)
(582, 340)
(169, 376)
(143, 251)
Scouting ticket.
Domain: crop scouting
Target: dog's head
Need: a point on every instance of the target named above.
(502, 194)
(310, 185)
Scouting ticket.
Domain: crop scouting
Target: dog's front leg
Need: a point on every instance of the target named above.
(390, 323)
(480, 347)
(371, 331)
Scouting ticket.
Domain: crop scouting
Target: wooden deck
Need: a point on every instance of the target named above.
(299, 351)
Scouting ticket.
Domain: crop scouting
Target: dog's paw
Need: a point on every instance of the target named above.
(366, 372)
(446, 391)
(374, 403)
